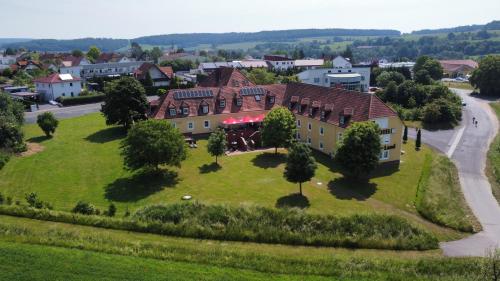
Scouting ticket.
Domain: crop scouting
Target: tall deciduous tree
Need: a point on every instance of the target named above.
(77, 53)
(47, 122)
(217, 143)
(486, 76)
(432, 66)
(278, 128)
(125, 102)
(93, 53)
(11, 119)
(152, 143)
(359, 150)
(300, 165)
(261, 76)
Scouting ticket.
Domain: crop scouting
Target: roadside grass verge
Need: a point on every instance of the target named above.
(459, 85)
(493, 162)
(440, 198)
(310, 262)
(255, 224)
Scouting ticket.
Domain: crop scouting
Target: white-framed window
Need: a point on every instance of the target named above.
(298, 136)
(384, 155)
(309, 126)
(206, 124)
(321, 146)
(222, 103)
(190, 126)
(316, 80)
(172, 111)
(309, 141)
(205, 109)
(321, 131)
(239, 101)
(339, 137)
(257, 97)
(298, 123)
(185, 110)
(386, 139)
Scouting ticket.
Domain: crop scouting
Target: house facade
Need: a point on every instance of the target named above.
(353, 78)
(279, 63)
(58, 85)
(458, 68)
(322, 113)
(161, 76)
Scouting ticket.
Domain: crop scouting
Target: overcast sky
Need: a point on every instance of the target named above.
(63, 19)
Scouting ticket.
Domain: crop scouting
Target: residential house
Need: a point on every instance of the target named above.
(73, 65)
(58, 85)
(458, 68)
(229, 100)
(112, 58)
(178, 56)
(279, 63)
(209, 67)
(26, 65)
(112, 69)
(6, 61)
(161, 76)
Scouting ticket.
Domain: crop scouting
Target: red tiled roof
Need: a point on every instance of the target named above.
(455, 65)
(140, 73)
(55, 78)
(335, 102)
(109, 57)
(167, 70)
(226, 76)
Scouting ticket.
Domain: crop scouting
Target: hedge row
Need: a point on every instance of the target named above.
(254, 224)
(80, 99)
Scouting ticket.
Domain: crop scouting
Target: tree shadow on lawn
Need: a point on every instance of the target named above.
(39, 139)
(295, 200)
(347, 189)
(268, 160)
(382, 170)
(209, 168)
(107, 135)
(140, 185)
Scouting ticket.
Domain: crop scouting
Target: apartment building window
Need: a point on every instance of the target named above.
(174, 124)
(71, 84)
(384, 155)
(206, 124)
(298, 123)
(222, 103)
(342, 120)
(190, 126)
(63, 94)
(309, 126)
(339, 137)
(321, 131)
(321, 146)
(316, 80)
(298, 136)
(72, 94)
(309, 140)
(185, 110)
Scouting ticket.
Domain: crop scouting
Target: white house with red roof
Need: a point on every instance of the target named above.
(58, 85)
(161, 76)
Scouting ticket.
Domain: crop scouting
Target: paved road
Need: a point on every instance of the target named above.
(467, 146)
(67, 112)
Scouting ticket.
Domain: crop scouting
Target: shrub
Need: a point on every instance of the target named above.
(2, 199)
(111, 210)
(47, 122)
(85, 208)
(254, 224)
(4, 158)
(35, 202)
(66, 101)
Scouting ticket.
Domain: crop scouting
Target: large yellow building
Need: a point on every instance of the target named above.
(228, 99)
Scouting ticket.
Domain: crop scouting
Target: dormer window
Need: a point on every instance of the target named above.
(222, 103)
(204, 108)
(342, 120)
(185, 110)
(172, 111)
(239, 101)
(311, 111)
(271, 99)
(323, 115)
(257, 97)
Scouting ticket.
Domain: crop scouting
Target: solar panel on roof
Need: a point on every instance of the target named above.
(192, 94)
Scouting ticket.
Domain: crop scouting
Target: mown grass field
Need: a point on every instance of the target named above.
(83, 162)
(69, 252)
(493, 163)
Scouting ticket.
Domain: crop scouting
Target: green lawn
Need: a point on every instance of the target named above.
(34, 262)
(493, 163)
(82, 162)
(87, 253)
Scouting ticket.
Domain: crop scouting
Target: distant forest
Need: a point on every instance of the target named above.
(194, 39)
(494, 25)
